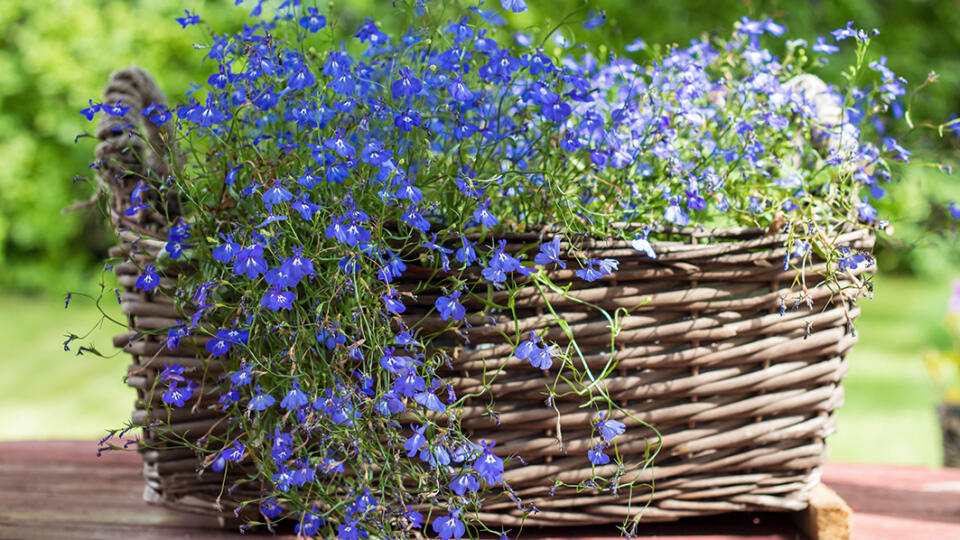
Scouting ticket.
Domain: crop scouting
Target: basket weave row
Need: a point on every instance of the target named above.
(741, 394)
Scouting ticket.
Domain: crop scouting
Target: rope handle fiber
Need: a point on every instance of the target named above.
(134, 151)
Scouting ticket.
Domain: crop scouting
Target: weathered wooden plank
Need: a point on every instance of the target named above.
(828, 517)
(61, 489)
(898, 502)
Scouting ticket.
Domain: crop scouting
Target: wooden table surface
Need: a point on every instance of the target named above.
(61, 489)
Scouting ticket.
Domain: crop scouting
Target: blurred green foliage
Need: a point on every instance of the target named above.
(56, 54)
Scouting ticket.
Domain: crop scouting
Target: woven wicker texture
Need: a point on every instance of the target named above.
(742, 395)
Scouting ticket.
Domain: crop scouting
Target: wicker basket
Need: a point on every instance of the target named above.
(742, 395)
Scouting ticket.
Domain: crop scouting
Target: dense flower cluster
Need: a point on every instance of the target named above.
(320, 171)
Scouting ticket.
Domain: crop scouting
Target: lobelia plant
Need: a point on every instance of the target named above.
(309, 175)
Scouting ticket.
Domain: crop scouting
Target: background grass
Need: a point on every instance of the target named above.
(888, 416)
(49, 393)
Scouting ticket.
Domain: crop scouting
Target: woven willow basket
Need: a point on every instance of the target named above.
(742, 395)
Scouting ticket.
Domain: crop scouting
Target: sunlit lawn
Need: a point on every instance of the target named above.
(46, 392)
(888, 416)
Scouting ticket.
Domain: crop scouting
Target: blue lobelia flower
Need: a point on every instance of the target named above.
(177, 395)
(488, 465)
(280, 278)
(298, 266)
(117, 109)
(309, 523)
(450, 307)
(597, 457)
(609, 428)
(340, 145)
(331, 466)
(350, 234)
(261, 401)
(224, 339)
(370, 33)
(464, 483)
(527, 348)
(295, 398)
(282, 445)
(676, 215)
(390, 404)
(313, 21)
(282, 479)
(407, 120)
(841, 34)
(304, 206)
(242, 376)
(643, 245)
(270, 508)
(822, 46)
(542, 358)
(235, 453)
(349, 531)
(227, 251)
(406, 86)
(438, 456)
(502, 260)
(550, 253)
(522, 40)
(301, 79)
(636, 45)
(495, 275)
(405, 338)
(516, 6)
(607, 266)
(250, 262)
(409, 384)
(188, 20)
(449, 526)
(415, 441)
(483, 215)
(466, 254)
(175, 334)
(594, 20)
(430, 401)
(556, 112)
(867, 212)
(393, 267)
(393, 304)
(171, 373)
(91, 111)
(395, 363)
(890, 145)
(590, 273)
(149, 279)
(276, 194)
(409, 192)
(304, 473)
(176, 236)
(458, 90)
(374, 154)
(277, 299)
(415, 518)
(272, 218)
(541, 94)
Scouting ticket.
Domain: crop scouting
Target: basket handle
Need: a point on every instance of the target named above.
(133, 149)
